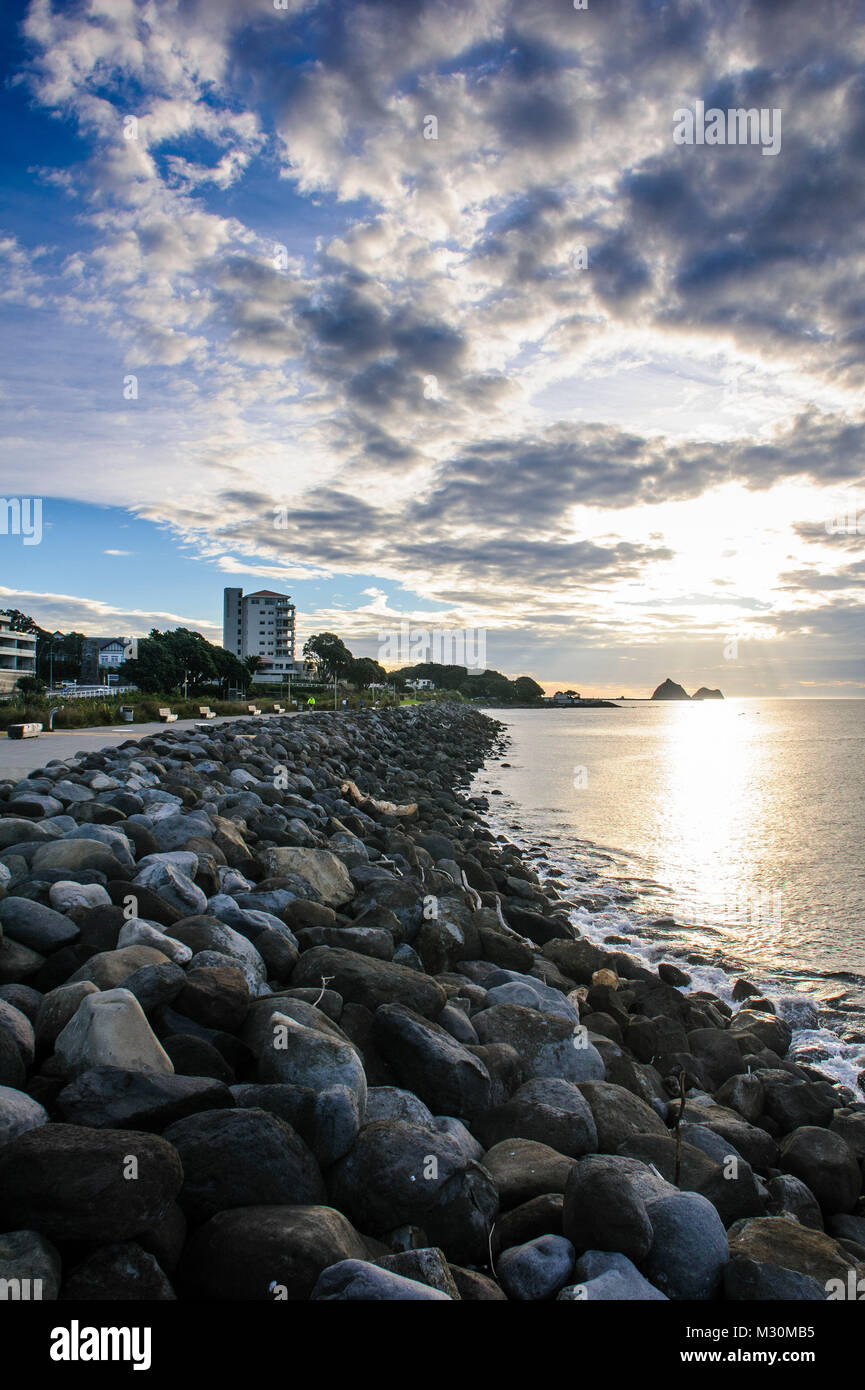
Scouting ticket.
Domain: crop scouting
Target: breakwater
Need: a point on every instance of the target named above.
(281, 1017)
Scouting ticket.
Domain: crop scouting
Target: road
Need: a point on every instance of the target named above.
(20, 756)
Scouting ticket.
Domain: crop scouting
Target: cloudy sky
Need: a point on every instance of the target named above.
(416, 310)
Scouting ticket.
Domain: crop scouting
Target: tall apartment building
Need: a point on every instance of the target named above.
(262, 625)
(17, 655)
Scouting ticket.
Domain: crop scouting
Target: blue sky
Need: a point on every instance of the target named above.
(549, 374)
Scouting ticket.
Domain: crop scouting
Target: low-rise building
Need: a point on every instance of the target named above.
(17, 655)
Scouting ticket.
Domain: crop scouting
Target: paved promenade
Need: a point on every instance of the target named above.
(20, 756)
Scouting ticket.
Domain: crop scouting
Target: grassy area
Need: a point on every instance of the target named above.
(82, 714)
(104, 712)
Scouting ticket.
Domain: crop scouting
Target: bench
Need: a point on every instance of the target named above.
(206, 712)
(24, 730)
(166, 716)
(253, 709)
(277, 709)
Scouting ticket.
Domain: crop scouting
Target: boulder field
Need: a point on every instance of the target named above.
(282, 1018)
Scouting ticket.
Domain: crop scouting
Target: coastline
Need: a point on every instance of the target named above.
(340, 973)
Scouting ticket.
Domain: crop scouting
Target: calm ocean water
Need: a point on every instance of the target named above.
(730, 832)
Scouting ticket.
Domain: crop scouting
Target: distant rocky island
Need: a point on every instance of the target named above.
(669, 690)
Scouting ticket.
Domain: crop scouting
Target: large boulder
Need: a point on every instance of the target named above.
(18, 1113)
(536, 1271)
(309, 1057)
(108, 1097)
(619, 1115)
(548, 1046)
(781, 1240)
(34, 925)
(608, 1277)
(523, 1168)
(604, 1208)
(549, 1110)
(689, 1246)
(362, 980)
(826, 1164)
(108, 969)
(362, 1281)
(430, 1062)
(233, 1157)
(72, 1183)
(402, 1175)
(324, 870)
(774, 1033)
(110, 1030)
(327, 1120)
(267, 1253)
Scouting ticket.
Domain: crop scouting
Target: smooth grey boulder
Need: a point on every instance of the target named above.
(604, 1208)
(619, 1115)
(547, 1109)
(689, 1246)
(174, 886)
(537, 1270)
(109, 969)
(358, 1280)
(403, 1175)
(548, 1045)
(826, 1164)
(65, 895)
(430, 1062)
(110, 1029)
(33, 925)
(363, 980)
(607, 1277)
(307, 1057)
(328, 1120)
(391, 1103)
(18, 1113)
(18, 1027)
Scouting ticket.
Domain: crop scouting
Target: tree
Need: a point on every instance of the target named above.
(155, 668)
(20, 622)
(527, 689)
(364, 671)
(251, 664)
(29, 685)
(331, 656)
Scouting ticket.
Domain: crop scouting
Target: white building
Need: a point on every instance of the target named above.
(262, 624)
(17, 655)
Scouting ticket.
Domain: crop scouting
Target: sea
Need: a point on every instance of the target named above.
(726, 836)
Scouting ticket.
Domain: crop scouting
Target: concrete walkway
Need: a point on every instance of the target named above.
(18, 757)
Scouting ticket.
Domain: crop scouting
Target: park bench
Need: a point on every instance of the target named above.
(24, 730)
(253, 709)
(277, 709)
(206, 712)
(166, 716)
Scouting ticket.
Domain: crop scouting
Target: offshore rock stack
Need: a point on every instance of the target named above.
(281, 1018)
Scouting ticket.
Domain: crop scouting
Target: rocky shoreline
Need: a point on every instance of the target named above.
(281, 1018)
